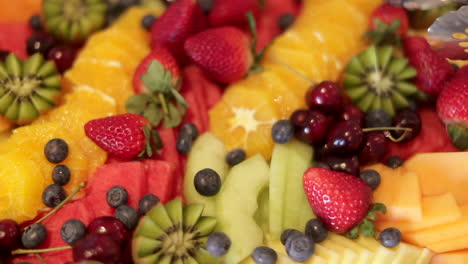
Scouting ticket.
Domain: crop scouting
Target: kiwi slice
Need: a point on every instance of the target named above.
(74, 20)
(27, 88)
(173, 233)
(376, 78)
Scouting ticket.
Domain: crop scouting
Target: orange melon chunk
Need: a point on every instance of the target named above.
(457, 257)
(437, 210)
(399, 191)
(449, 245)
(441, 173)
(445, 232)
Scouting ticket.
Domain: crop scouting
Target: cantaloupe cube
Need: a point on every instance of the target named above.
(457, 257)
(441, 173)
(445, 232)
(437, 210)
(449, 245)
(399, 191)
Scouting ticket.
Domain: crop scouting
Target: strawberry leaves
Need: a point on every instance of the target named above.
(367, 227)
(384, 34)
(163, 102)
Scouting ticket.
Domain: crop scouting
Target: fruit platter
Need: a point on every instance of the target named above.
(233, 132)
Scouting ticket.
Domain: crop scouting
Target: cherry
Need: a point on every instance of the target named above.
(408, 119)
(347, 164)
(63, 56)
(111, 226)
(325, 97)
(99, 247)
(352, 112)
(314, 128)
(299, 118)
(345, 137)
(39, 42)
(9, 235)
(374, 148)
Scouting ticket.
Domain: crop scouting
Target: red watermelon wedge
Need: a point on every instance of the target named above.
(13, 38)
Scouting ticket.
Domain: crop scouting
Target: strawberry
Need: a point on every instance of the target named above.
(432, 69)
(232, 12)
(182, 19)
(225, 53)
(387, 14)
(163, 56)
(340, 200)
(125, 136)
(452, 108)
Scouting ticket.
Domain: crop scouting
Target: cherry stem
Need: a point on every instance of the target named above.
(37, 251)
(292, 69)
(61, 204)
(41, 259)
(370, 129)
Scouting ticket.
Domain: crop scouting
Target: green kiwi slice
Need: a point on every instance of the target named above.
(376, 78)
(173, 234)
(27, 88)
(74, 20)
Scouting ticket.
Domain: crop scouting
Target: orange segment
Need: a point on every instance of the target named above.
(296, 82)
(243, 119)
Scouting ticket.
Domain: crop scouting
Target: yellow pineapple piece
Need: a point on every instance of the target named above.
(329, 255)
(21, 188)
(382, 255)
(425, 257)
(243, 119)
(364, 256)
(346, 254)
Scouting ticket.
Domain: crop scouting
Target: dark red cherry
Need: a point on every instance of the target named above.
(109, 225)
(352, 112)
(40, 42)
(374, 148)
(325, 97)
(9, 235)
(345, 137)
(63, 56)
(347, 164)
(299, 118)
(408, 119)
(97, 247)
(315, 128)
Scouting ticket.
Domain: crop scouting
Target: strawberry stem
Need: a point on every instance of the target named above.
(37, 251)
(61, 204)
(163, 103)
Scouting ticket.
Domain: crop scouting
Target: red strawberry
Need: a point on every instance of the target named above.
(452, 108)
(232, 12)
(341, 201)
(121, 136)
(164, 57)
(462, 72)
(182, 19)
(388, 13)
(432, 69)
(224, 53)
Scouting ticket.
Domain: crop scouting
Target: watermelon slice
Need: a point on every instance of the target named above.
(13, 38)
(209, 92)
(130, 175)
(432, 138)
(161, 178)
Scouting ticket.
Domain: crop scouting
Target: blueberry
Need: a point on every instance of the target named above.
(207, 182)
(390, 237)
(315, 230)
(61, 174)
(53, 195)
(117, 196)
(321, 165)
(189, 129)
(286, 20)
(127, 215)
(282, 131)
(235, 156)
(35, 23)
(371, 177)
(264, 255)
(184, 143)
(300, 247)
(72, 231)
(205, 5)
(378, 118)
(287, 234)
(147, 202)
(147, 21)
(218, 244)
(56, 150)
(34, 235)
(394, 162)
